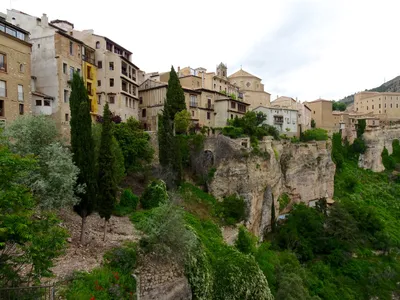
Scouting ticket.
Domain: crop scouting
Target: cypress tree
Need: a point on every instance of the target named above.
(106, 177)
(175, 96)
(82, 148)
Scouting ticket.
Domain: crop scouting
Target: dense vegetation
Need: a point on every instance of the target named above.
(315, 134)
(340, 106)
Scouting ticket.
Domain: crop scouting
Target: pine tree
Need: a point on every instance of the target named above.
(175, 96)
(82, 148)
(106, 177)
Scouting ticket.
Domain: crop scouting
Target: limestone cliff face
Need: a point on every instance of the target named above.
(304, 171)
(375, 141)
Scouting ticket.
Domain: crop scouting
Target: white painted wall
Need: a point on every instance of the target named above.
(289, 118)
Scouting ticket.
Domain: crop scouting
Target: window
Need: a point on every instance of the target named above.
(242, 108)
(397, 105)
(71, 48)
(109, 46)
(47, 103)
(231, 116)
(21, 68)
(38, 102)
(140, 100)
(208, 115)
(97, 45)
(1, 108)
(126, 101)
(314, 112)
(20, 93)
(21, 109)
(66, 117)
(193, 100)
(111, 99)
(215, 86)
(3, 89)
(100, 64)
(372, 106)
(11, 31)
(38, 45)
(111, 66)
(71, 73)
(99, 99)
(220, 88)
(385, 105)
(65, 96)
(3, 65)
(111, 81)
(133, 103)
(379, 106)
(98, 82)
(233, 105)
(144, 113)
(390, 105)
(64, 68)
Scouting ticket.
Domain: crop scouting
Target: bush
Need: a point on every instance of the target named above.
(154, 194)
(359, 146)
(387, 160)
(123, 258)
(127, 204)
(283, 200)
(316, 134)
(232, 132)
(232, 209)
(246, 241)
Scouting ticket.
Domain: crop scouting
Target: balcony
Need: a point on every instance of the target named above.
(90, 75)
(89, 59)
(278, 121)
(3, 92)
(124, 72)
(210, 106)
(90, 91)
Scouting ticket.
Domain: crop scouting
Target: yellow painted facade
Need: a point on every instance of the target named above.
(89, 74)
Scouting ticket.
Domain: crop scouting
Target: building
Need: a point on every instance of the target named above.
(304, 112)
(117, 77)
(283, 119)
(321, 113)
(89, 74)
(251, 89)
(385, 106)
(15, 72)
(41, 103)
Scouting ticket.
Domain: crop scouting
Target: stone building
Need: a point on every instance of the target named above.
(385, 106)
(251, 89)
(322, 114)
(282, 118)
(15, 72)
(304, 112)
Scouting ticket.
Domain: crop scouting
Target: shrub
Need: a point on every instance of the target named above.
(283, 200)
(123, 258)
(232, 209)
(387, 160)
(246, 241)
(154, 194)
(359, 146)
(127, 204)
(232, 132)
(316, 134)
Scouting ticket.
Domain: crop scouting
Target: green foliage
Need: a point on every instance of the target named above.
(341, 106)
(232, 209)
(387, 160)
(154, 194)
(175, 100)
(127, 204)
(106, 181)
(313, 124)
(316, 134)
(337, 150)
(358, 146)
(182, 122)
(232, 132)
(82, 145)
(246, 241)
(35, 236)
(361, 127)
(53, 183)
(135, 145)
(111, 281)
(283, 200)
(232, 96)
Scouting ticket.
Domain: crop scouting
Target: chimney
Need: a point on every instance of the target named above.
(45, 20)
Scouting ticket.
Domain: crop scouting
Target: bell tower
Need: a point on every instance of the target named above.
(222, 70)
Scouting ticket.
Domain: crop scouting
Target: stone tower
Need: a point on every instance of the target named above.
(222, 70)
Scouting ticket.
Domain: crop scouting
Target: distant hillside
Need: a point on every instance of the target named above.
(390, 86)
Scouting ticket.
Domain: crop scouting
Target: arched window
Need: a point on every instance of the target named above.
(97, 45)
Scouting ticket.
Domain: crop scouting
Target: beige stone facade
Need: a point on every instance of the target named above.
(322, 114)
(15, 73)
(251, 89)
(385, 106)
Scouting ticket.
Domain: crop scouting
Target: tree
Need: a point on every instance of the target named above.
(337, 150)
(106, 177)
(53, 183)
(315, 134)
(182, 122)
(336, 105)
(175, 97)
(313, 123)
(246, 241)
(82, 148)
(29, 239)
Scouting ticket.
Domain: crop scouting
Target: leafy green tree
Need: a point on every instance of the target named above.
(29, 240)
(154, 194)
(53, 183)
(361, 124)
(336, 105)
(83, 148)
(316, 134)
(135, 145)
(119, 161)
(387, 160)
(313, 124)
(182, 122)
(337, 150)
(106, 177)
(246, 241)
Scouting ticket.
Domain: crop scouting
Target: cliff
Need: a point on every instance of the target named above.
(375, 141)
(305, 172)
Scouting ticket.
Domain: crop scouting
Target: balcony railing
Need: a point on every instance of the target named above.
(3, 92)
(210, 106)
(3, 67)
(124, 72)
(278, 121)
(88, 59)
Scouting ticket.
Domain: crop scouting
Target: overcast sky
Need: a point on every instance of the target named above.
(305, 49)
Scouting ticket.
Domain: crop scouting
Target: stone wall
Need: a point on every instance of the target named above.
(375, 141)
(304, 171)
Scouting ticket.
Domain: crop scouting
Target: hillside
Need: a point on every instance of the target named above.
(389, 86)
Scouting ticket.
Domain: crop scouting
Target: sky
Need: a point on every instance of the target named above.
(303, 49)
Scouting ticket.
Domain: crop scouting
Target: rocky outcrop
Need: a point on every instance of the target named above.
(375, 141)
(304, 171)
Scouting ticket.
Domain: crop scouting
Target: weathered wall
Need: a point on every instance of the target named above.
(375, 141)
(304, 171)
